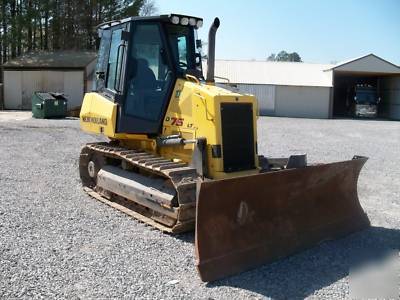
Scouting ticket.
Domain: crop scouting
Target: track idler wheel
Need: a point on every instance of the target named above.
(90, 164)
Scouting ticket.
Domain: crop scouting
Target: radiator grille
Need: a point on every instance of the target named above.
(237, 136)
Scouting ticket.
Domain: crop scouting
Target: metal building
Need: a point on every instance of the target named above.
(68, 72)
(293, 89)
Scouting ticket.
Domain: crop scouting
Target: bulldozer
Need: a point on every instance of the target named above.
(181, 153)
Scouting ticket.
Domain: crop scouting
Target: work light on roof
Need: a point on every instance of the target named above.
(199, 23)
(184, 21)
(192, 22)
(175, 20)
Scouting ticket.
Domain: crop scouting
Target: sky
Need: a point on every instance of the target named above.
(324, 31)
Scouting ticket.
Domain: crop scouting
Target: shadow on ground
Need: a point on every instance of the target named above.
(301, 275)
(363, 119)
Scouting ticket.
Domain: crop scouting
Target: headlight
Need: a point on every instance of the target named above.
(184, 21)
(192, 21)
(199, 23)
(175, 20)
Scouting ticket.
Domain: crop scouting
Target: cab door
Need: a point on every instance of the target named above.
(148, 82)
(111, 61)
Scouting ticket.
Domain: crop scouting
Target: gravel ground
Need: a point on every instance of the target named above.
(57, 242)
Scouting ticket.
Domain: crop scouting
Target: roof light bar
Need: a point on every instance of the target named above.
(186, 20)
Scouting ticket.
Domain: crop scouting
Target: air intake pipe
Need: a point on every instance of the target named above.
(211, 51)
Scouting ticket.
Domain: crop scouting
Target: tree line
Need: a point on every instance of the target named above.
(285, 56)
(34, 25)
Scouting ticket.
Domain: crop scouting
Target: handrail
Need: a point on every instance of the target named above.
(116, 69)
(107, 23)
(224, 78)
(192, 78)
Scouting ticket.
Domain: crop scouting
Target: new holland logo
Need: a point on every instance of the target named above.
(95, 120)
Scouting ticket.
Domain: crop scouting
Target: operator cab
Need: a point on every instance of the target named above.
(140, 59)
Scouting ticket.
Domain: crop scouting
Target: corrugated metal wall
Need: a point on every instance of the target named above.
(12, 89)
(74, 88)
(302, 102)
(265, 95)
(20, 85)
(289, 101)
(32, 81)
(390, 93)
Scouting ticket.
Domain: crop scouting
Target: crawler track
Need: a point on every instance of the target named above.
(143, 202)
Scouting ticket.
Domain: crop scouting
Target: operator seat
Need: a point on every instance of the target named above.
(144, 78)
(141, 88)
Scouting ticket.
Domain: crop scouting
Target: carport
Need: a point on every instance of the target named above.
(367, 70)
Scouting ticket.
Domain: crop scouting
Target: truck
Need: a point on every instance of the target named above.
(365, 101)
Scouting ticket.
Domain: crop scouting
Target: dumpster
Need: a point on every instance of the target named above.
(49, 105)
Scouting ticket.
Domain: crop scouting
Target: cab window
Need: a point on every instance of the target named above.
(180, 39)
(114, 61)
(102, 60)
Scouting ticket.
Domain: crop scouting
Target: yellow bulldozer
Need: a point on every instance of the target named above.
(182, 153)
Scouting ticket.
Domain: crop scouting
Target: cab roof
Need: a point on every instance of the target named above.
(160, 18)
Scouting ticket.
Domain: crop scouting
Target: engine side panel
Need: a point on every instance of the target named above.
(194, 112)
(98, 115)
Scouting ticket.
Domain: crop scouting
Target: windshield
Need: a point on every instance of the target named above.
(181, 41)
(366, 96)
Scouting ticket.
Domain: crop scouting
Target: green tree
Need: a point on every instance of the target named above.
(272, 57)
(35, 25)
(282, 56)
(294, 57)
(285, 56)
(148, 9)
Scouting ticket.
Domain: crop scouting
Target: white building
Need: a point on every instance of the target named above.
(67, 72)
(293, 89)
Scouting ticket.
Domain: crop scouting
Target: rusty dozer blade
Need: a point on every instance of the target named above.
(247, 221)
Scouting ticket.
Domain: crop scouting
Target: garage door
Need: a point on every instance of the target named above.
(53, 81)
(73, 88)
(32, 81)
(302, 102)
(12, 89)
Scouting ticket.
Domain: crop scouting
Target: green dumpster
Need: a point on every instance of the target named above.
(48, 105)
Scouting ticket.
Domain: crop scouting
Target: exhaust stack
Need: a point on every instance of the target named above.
(211, 51)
